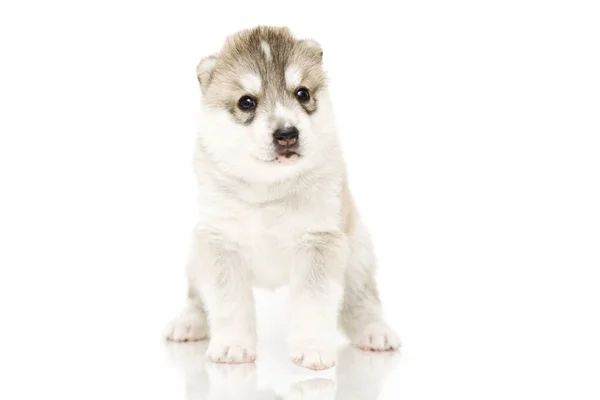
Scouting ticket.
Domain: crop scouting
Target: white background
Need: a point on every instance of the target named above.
(471, 131)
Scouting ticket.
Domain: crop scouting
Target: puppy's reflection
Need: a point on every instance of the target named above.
(359, 375)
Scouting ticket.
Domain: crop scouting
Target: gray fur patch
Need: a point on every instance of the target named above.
(266, 52)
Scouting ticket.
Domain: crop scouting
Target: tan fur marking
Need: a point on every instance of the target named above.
(349, 212)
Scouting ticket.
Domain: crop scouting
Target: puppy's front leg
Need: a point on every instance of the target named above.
(316, 291)
(224, 283)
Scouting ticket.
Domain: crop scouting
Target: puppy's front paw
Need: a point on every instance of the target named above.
(232, 353)
(316, 358)
(188, 327)
(377, 337)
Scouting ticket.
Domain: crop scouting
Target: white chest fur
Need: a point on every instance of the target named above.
(269, 239)
(267, 234)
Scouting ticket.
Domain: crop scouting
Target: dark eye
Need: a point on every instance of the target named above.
(302, 94)
(247, 103)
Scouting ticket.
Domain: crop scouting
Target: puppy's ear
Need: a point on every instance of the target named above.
(314, 47)
(204, 71)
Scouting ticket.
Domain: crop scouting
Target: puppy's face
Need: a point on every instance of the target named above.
(266, 111)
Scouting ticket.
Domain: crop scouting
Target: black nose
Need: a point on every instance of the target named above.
(286, 136)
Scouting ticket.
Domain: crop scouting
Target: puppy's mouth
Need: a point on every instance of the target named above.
(287, 157)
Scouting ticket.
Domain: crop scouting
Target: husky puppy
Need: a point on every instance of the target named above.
(275, 208)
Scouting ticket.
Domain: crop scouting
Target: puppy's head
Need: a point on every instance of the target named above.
(266, 112)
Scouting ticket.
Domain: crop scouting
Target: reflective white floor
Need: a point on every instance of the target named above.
(109, 346)
(358, 375)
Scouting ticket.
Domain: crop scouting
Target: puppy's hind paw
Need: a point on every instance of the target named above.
(189, 327)
(377, 337)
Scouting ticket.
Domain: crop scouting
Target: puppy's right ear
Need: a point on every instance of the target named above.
(204, 71)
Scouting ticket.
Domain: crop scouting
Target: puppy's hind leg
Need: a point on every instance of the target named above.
(361, 315)
(192, 324)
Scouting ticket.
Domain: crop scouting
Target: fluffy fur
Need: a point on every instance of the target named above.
(268, 220)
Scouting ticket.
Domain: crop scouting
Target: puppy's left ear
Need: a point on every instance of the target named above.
(313, 47)
(204, 71)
